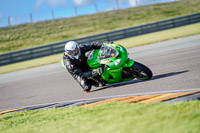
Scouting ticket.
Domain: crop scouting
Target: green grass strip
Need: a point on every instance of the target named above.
(38, 33)
(31, 63)
(129, 42)
(179, 117)
(161, 36)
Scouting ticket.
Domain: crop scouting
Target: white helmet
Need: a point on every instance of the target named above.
(72, 50)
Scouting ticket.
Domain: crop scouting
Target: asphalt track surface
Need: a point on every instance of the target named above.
(175, 65)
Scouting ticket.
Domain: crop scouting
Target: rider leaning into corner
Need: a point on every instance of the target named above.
(75, 60)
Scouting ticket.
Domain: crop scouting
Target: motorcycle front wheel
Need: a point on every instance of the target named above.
(141, 71)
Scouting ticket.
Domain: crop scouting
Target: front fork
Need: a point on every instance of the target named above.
(126, 69)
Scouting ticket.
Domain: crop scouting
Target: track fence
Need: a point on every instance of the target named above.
(58, 47)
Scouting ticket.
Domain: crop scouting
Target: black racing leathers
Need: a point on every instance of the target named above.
(79, 68)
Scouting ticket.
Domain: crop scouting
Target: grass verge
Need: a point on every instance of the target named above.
(180, 117)
(34, 34)
(161, 36)
(31, 63)
(130, 42)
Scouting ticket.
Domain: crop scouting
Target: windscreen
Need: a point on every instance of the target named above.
(106, 52)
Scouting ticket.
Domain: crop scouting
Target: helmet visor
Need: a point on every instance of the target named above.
(73, 52)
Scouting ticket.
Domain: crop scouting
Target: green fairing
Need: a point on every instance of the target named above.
(129, 63)
(62, 64)
(117, 67)
(113, 73)
(93, 61)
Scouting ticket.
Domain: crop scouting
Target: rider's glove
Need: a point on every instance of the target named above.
(97, 71)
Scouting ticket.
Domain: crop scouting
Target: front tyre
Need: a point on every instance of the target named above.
(141, 71)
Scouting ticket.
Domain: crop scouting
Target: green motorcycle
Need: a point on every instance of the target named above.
(117, 67)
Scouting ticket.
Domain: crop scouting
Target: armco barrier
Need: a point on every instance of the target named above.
(58, 47)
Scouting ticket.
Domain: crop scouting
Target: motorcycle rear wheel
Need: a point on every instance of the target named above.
(141, 71)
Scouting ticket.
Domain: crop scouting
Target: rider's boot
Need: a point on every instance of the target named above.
(87, 88)
(85, 84)
(88, 85)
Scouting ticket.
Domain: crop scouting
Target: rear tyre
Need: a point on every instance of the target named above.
(141, 71)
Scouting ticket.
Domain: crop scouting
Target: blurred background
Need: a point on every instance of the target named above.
(28, 11)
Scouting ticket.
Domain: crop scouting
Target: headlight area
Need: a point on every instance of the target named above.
(117, 62)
